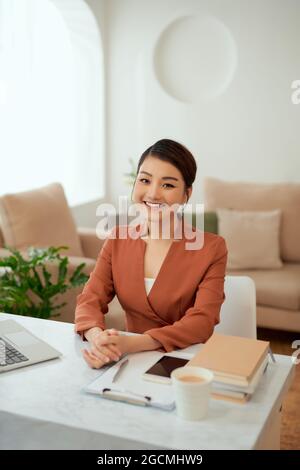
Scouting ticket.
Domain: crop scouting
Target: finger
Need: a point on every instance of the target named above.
(113, 331)
(108, 350)
(117, 352)
(103, 353)
(111, 351)
(91, 360)
(98, 349)
(112, 347)
(110, 333)
(105, 340)
(95, 361)
(87, 359)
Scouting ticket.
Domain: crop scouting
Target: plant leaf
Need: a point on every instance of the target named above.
(27, 287)
(62, 269)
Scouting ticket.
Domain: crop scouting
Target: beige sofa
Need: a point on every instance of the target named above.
(277, 290)
(42, 218)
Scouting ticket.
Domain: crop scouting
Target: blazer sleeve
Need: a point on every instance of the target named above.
(198, 322)
(98, 292)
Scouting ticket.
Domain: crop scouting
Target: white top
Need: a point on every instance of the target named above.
(43, 406)
(149, 281)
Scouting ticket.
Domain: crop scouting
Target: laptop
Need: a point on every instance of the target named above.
(20, 348)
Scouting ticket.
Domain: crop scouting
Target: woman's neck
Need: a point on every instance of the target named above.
(157, 232)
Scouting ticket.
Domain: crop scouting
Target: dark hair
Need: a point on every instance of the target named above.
(170, 151)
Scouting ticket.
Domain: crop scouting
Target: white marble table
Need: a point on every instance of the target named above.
(43, 407)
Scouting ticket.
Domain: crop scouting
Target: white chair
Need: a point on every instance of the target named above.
(238, 311)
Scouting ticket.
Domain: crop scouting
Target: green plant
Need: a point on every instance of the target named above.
(28, 288)
(130, 177)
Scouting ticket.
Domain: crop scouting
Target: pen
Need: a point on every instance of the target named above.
(125, 394)
(135, 398)
(121, 366)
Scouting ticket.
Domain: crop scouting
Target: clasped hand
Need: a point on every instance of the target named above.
(106, 346)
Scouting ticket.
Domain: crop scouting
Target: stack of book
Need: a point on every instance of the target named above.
(237, 363)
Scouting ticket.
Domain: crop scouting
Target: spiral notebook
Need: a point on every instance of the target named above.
(130, 387)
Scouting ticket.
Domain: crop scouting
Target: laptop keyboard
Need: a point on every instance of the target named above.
(9, 355)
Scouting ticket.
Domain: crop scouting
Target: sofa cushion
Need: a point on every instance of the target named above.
(41, 218)
(261, 197)
(276, 288)
(252, 238)
(69, 297)
(1, 239)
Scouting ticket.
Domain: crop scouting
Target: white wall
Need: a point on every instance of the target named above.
(85, 214)
(249, 132)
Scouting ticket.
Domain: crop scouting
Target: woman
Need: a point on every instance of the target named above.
(171, 295)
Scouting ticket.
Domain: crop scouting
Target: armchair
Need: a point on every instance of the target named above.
(42, 218)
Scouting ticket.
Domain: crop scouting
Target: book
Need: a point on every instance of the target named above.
(223, 391)
(232, 359)
(233, 397)
(250, 389)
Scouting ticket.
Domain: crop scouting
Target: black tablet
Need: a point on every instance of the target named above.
(161, 370)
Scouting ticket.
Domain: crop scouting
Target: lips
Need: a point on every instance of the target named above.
(154, 205)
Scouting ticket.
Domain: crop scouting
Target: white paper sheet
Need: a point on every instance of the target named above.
(131, 385)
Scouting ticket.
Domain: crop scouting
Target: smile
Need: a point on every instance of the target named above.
(154, 205)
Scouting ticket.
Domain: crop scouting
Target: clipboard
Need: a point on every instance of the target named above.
(131, 387)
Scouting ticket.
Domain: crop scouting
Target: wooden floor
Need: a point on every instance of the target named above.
(281, 343)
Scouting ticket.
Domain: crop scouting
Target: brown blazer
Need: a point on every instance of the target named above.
(184, 303)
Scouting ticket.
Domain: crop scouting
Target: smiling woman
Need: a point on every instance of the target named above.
(51, 97)
(166, 172)
(171, 294)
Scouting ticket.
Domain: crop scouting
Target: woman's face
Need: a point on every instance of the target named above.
(158, 186)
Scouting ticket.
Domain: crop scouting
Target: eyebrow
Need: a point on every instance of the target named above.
(163, 178)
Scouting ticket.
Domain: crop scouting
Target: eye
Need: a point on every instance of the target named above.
(143, 180)
(168, 185)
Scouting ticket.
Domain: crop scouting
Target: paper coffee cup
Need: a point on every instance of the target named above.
(191, 387)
